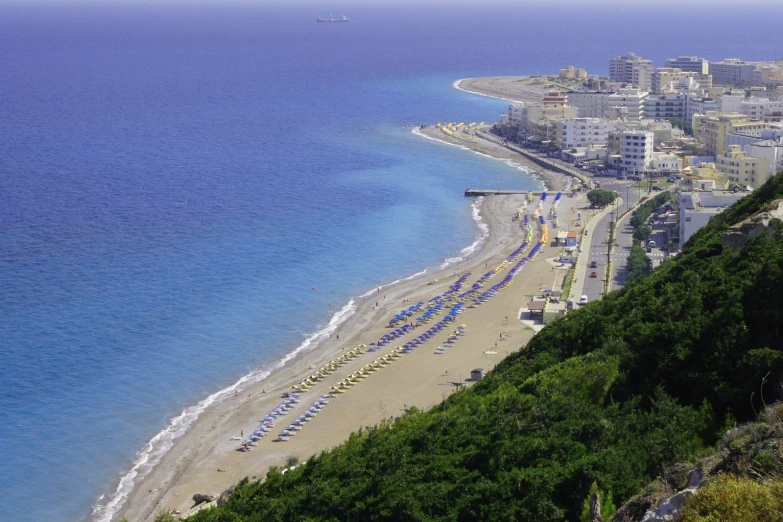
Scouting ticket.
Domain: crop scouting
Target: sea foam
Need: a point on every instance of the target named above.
(152, 452)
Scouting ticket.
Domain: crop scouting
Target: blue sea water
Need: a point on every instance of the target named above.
(174, 179)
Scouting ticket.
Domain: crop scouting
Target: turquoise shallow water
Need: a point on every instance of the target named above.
(176, 180)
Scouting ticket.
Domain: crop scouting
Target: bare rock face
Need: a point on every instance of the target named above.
(595, 508)
(762, 222)
(223, 498)
(200, 498)
(670, 509)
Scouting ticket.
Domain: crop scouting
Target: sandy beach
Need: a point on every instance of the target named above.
(511, 88)
(552, 180)
(205, 458)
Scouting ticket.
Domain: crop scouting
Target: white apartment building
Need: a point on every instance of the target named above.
(666, 162)
(762, 109)
(535, 119)
(636, 150)
(663, 77)
(584, 132)
(589, 104)
(621, 69)
(631, 100)
(690, 64)
(642, 75)
(666, 106)
(732, 71)
(699, 105)
(696, 209)
(770, 151)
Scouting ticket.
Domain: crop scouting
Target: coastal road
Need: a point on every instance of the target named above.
(594, 286)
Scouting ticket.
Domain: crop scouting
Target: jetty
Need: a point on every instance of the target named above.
(472, 193)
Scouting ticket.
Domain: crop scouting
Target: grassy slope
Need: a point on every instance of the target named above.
(609, 394)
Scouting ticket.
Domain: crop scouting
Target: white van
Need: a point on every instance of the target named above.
(651, 243)
(583, 300)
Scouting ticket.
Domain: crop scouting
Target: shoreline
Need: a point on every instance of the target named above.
(186, 463)
(180, 424)
(512, 89)
(552, 181)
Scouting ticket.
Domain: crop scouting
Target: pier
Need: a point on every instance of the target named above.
(472, 193)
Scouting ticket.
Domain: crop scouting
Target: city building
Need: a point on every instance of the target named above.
(743, 170)
(636, 151)
(630, 103)
(583, 132)
(555, 99)
(732, 71)
(703, 176)
(666, 106)
(572, 73)
(699, 105)
(538, 121)
(666, 163)
(631, 69)
(663, 77)
(690, 64)
(769, 150)
(713, 128)
(696, 209)
(762, 109)
(590, 104)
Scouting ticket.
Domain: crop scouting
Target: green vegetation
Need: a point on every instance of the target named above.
(738, 499)
(686, 127)
(601, 198)
(601, 400)
(637, 263)
(569, 281)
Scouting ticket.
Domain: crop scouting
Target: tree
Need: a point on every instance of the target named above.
(601, 198)
(686, 127)
(642, 233)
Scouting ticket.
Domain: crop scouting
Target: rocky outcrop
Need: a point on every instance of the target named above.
(595, 508)
(753, 450)
(761, 223)
(669, 510)
(223, 498)
(200, 498)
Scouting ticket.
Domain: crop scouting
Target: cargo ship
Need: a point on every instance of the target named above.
(342, 18)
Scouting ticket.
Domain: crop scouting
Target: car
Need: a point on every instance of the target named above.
(593, 264)
(583, 300)
(593, 274)
(657, 188)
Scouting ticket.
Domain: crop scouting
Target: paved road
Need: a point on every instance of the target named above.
(594, 286)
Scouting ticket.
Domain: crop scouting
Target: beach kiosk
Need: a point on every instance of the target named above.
(477, 374)
(536, 308)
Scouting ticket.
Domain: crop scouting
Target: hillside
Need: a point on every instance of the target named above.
(602, 400)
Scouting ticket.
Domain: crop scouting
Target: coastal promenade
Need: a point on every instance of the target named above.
(539, 159)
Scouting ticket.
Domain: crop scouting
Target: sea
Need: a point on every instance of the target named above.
(190, 193)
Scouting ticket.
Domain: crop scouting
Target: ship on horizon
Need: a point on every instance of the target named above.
(342, 18)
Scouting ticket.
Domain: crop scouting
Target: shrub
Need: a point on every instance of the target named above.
(737, 499)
